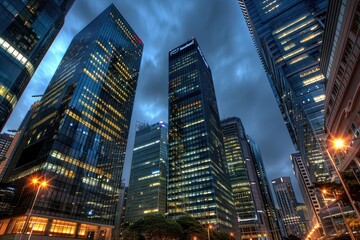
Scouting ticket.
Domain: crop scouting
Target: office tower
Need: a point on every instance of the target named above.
(265, 189)
(148, 176)
(27, 30)
(340, 64)
(255, 210)
(286, 199)
(77, 138)
(7, 142)
(301, 211)
(7, 165)
(288, 37)
(198, 181)
(308, 191)
(7, 194)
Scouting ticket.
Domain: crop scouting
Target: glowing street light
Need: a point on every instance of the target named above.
(209, 227)
(42, 184)
(340, 144)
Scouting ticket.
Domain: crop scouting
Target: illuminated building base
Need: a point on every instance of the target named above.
(46, 228)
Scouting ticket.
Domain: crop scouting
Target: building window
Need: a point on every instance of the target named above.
(62, 229)
(356, 23)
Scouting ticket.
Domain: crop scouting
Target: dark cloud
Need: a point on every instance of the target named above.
(241, 85)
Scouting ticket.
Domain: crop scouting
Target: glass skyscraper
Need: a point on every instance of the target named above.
(265, 190)
(27, 29)
(148, 176)
(252, 196)
(198, 180)
(286, 199)
(77, 138)
(288, 36)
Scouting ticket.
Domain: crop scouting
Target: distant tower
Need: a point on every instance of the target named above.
(78, 136)
(265, 189)
(6, 141)
(27, 30)
(254, 205)
(147, 185)
(286, 199)
(198, 181)
(6, 165)
(308, 191)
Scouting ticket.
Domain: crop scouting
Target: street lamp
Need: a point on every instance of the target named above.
(42, 184)
(209, 227)
(337, 145)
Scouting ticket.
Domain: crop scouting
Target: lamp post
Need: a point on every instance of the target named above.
(209, 227)
(40, 185)
(338, 143)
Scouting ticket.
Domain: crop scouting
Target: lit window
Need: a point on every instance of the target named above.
(289, 25)
(319, 98)
(313, 79)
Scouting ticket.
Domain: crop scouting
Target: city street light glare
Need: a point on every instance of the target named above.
(339, 143)
(42, 183)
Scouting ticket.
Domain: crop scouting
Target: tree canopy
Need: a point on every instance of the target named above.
(157, 227)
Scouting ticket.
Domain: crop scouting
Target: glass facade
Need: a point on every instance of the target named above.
(147, 185)
(27, 29)
(253, 202)
(198, 180)
(78, 136)
(288, 36)
(311, 198)
(286, 199)
(265, 190)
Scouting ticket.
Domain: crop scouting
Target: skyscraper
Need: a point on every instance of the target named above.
(148, 176)
(6, 166)
(198, 181)
(27, 29)
(253, 202)
(286, 199)
(7, 142)
(288, 37)
(77, 138)
(265, 190)
(308, 190)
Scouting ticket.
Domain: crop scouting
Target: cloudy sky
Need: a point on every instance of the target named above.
(241, 86)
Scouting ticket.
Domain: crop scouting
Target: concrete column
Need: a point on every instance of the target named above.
(48, 226)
